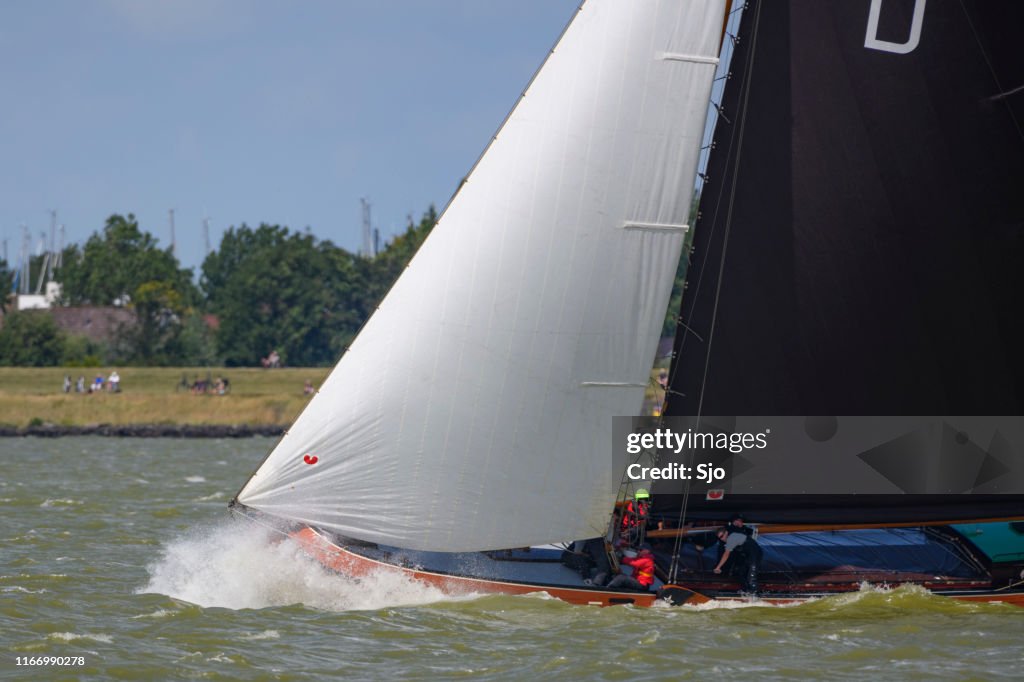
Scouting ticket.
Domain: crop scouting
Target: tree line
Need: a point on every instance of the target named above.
(265, 288)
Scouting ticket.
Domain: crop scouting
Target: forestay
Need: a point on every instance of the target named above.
(474, 409)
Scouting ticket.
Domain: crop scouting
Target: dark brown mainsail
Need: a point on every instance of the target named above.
(860, 249)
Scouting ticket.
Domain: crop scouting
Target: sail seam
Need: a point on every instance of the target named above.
(692, 58)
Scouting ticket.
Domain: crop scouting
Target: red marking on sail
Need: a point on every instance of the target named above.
(715, 494)
(310, 459)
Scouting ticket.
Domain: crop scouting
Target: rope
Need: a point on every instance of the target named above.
(737, 139)
(1010, 586)
(992, 70)
(258, 521)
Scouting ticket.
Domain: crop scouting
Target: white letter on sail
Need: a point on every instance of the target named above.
(871, 40)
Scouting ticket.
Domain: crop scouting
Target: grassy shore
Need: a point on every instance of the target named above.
(32, 396)
(152, 395)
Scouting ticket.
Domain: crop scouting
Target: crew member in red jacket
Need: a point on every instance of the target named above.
(643, 572)
(634, 516)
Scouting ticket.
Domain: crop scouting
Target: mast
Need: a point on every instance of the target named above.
(367, 249)
(206, 235)
(60, 248)
(26, 259)
(174, 244)
(51, 261)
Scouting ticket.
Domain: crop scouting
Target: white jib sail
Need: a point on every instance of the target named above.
(474, 411)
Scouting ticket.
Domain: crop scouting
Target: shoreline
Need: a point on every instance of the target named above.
(146, 430)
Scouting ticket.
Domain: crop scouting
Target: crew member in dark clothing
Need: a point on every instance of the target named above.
(736, 523)
(732, 565)
(602, 568)
(746, 555)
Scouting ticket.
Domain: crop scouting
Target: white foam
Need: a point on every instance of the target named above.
(195, 479)
(72, 636)
(266, 634)
(59, 503)
(23, 590)
(237, 565)
(747, 603)
(159, 613)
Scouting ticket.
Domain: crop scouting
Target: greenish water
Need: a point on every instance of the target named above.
(120, 551)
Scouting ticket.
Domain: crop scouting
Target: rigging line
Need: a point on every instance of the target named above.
(704, 260)
(721, 113)
(257, 521)
(713, 217)
(1004, 95)
(731, 206)
(992, 70)
(690, 329)
(738, 132)
(1009, 586)
(626, 483)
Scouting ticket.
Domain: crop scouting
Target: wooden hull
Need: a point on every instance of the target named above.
(346, 562)
(351, 563)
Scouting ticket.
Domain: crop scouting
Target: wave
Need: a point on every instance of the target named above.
(237, 565)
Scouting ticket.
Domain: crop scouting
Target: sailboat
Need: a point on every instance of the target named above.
(465, 438)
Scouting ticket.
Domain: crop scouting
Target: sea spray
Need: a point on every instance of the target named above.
(237, 565)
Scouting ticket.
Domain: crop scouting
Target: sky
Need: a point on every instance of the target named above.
(252, 111)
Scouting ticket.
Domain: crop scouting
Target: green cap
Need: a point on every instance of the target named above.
(641, 494)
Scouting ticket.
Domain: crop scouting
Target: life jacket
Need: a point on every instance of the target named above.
(643, 569)
(633, 515)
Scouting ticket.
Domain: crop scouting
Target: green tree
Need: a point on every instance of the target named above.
(30, 338)
(123, 265)
(276, 290)
(81, 351)
(6, 285)
(272, 289)
(113, 264)
(679, 284)
(198, 342)
(159, 309)
(384, 269)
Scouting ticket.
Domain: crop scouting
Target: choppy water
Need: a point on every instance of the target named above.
(121, 552)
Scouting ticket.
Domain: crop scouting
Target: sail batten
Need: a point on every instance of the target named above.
(656, 227)
(692, 58)
(611, 384)
(461, 419)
